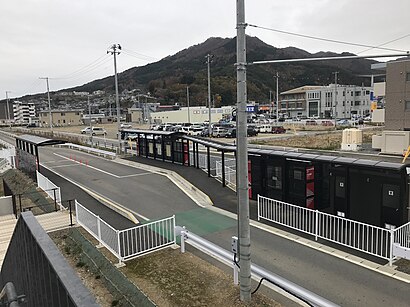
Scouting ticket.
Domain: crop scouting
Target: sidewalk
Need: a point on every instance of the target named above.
(224, 202)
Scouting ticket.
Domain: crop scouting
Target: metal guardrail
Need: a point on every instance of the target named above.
(129, 243)
(363, 237)
(97, 151)
(52, 190)
(227, 257)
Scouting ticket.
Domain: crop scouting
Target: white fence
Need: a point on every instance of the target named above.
(230, 172)
(366, 238)
(9, 154)
(53, 191)
(129, 243)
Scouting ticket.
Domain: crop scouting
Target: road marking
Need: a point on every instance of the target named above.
(130, 213)
(103, 171)
(64, 165)
(53, 161)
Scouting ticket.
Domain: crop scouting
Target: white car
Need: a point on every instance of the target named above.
(125, 126)
(94, 131)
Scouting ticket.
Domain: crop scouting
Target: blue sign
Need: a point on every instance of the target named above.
(250, 109)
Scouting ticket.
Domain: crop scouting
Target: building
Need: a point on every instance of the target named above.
(397, 116)
(61, 118)
(192, 114)
(23, 112)
(135, 115)
(319, 101)
(293, 102)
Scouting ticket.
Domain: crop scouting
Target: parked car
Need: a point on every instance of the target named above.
(125, 125)
(265, 129)
(278, 129)
(343, 122)
(327, 123)
(219, 132)
(94, 131)
(252, 131)
(311, 122)
(31, 125)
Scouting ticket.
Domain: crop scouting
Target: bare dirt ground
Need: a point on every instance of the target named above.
(325, 141)
(167, 277)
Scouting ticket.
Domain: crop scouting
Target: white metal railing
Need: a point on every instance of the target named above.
(52, 190)
(366, 238)
(128, 243)
(147, 237)
(9, 154)
(402, 235)
(230, 173)
(98, 228)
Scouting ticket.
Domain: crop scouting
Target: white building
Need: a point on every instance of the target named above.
(319, 101)
(195, 115)
(351, 101)
(23, 112)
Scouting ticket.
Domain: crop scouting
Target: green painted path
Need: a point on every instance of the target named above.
(202, 221)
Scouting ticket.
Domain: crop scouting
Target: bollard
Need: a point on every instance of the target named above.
(183, 237)
(235, 274)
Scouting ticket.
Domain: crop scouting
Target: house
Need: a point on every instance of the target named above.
(60, 118)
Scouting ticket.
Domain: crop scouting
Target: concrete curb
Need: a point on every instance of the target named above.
(199, 197)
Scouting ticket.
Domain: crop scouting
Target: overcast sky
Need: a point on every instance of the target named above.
(68, 39)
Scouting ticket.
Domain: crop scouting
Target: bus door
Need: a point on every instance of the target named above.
(339, 190)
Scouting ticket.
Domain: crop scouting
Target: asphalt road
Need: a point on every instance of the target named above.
(154, 196)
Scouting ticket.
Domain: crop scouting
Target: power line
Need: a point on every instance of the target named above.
(324, 39)
(386, 43)
(137, 54)
(87, 68)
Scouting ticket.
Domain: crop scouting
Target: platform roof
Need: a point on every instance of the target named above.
(38, 140)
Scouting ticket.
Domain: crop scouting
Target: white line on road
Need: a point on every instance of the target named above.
(102, 171)
(64, 165)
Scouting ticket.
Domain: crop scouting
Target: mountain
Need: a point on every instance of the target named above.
(167, 79)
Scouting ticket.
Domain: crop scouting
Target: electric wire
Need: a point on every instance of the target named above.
(87, 68)
(324, 39)
(386, 43)
(140, 55)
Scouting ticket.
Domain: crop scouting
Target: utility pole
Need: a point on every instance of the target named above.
(114, 50)
(277, 98)
(49, 104)
(242, 157)
(187, 101)
(335, 98)
(8, 108)
(208, 62)
(270, 103)
(89, 116)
